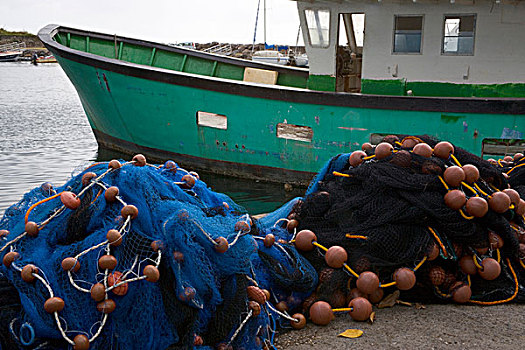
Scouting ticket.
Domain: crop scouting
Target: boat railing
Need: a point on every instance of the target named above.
(220, 49)
(14, 46)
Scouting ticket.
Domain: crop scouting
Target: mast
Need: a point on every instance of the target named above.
(265, 24)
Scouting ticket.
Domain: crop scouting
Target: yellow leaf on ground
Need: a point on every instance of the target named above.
(389, 300)
(351, 333)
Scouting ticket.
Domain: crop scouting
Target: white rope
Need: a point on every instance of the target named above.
(281, 219)
(138, 278)
(239, 234)
(205, 233)
(288, 317)
(250, 313)
(57, 212)
(106, 242)
(13, 241)
(294, 234)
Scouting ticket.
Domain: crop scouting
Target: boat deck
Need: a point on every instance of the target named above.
(175, 58)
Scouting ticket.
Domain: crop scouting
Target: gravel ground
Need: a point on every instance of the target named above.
(404, 327)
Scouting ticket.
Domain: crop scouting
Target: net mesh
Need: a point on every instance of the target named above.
(206, 249)
(390, 213)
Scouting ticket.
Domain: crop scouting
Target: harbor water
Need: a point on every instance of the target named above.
(45, 137)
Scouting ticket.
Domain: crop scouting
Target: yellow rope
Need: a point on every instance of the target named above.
(436, 237)
(420, 263)
(506, 300)
(369, 157)
(441, 293)
(342, 309)
(455, 160)
(356, 236)
(387, 284)
(493, 187)
(319, 246)
(413, 138)
(468, 280)
(443, 182)
(336, 173)
(465, 215)
(350, 270)
(470, 188)
(399, 143)
(522, 264)
(514, 167)
(499, 163)
(479, 189)
(498, 254)
(476, 262)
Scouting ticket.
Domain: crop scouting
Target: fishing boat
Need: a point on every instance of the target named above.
(11, 52)
(270, 56)
(301, 60)
(46, 59)
(450, 69)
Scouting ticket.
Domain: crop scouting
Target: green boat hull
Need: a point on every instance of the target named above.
(133, 108)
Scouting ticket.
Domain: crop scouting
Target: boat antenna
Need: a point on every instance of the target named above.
(255, 30)
(297, 40)
(265, 24)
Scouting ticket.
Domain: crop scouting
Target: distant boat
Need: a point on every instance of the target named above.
(270, 56)
(301, 60)
(10, 56)
(11, 52)
(46, 59)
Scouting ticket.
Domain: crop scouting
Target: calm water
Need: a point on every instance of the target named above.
(45, 136)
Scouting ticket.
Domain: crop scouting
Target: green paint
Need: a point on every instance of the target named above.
(229, 71)
(152, 56)
(321, 82)
(59, 39)
(383, 87)
(450, 118)
(101, 47)
(169, 60)
(120, 46)
(183, 63)
(162, 116)
(438, 89)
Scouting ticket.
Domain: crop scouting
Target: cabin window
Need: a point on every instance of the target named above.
(318, 23)
(458, 34)
(408, 32)
(212, 120)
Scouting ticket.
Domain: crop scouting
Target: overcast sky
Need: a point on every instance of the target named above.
(166, 21)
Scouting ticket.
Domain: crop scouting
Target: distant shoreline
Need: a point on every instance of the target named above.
(34, 45)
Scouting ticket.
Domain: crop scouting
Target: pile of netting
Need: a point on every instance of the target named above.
(129, 255)
(424, 217)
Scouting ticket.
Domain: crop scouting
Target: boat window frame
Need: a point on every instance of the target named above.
(394, 34)
(445, 15)
(308, 27)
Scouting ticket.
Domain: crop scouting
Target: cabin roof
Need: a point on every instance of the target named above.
(461, 2)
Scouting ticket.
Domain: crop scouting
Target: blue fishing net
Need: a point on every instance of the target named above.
(207, 250)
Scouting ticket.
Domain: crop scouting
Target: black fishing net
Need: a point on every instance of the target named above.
(390, 213)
